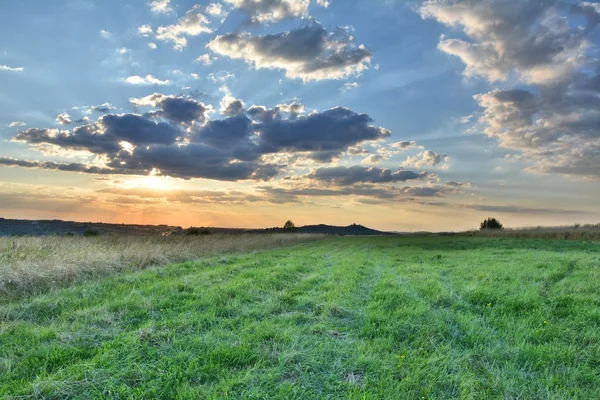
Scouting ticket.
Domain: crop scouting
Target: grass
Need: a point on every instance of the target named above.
(356, 318)
(30, 265)
(573, 232)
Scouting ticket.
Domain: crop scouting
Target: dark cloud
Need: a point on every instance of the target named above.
(230, 149)
(103, 108)
(176, 109)
(356, 174)
(333, 130)
(104, 136)
(308, 53)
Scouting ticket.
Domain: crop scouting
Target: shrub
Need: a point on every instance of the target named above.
(490, 223)
(197, 231)
(91, 232)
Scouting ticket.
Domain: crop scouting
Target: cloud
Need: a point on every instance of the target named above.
(103, 108)
(16, 124)
(177, 138)
(161, 6)
(105, 34)
(176, 109)
(63, 119)
(145, 30)
(554, 120)
(308, 53)
(12, 69)
(205, 59)
(146, 80)
(349, 86)
(344, 176)
(426, 158)
(231, 106)
(215, 9)
(458, 184)
(192, 24)
(262, 11)
(529, 37)
(152, 45)
(105, 136)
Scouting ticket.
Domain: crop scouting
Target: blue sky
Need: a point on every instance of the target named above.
(401, 115)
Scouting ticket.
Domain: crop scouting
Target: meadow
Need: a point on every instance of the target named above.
(345, 317)
(36, 264)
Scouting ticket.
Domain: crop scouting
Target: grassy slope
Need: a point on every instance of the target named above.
(343, 318)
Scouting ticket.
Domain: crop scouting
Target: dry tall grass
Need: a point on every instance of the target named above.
(573, 232)
(31, 265)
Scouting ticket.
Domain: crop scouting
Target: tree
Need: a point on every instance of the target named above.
(289, 225)
(490, 223)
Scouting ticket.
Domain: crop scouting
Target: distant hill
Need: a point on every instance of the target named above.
(352, 230)
(10, 227)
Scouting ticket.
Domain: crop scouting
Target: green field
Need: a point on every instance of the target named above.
(361, 318)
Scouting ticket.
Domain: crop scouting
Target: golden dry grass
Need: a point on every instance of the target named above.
(30, 265)
(571, 232)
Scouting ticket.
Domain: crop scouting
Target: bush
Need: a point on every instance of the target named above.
(490, 223)
(197, 231)
(91, 232)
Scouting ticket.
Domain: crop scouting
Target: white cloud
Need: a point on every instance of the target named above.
(12, 69)
(152, 45)
(215, 9)
(308, 53)
(205, 59)
(63, 119)
(16, 124)
(192, 24)
(349, 86)
(323, 3)
(426, 158)
(160, 6)
(147, 80)
(262, 11)
(145, 30)
(123, 50)
(105, 34)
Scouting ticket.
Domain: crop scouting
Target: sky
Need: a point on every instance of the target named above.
(401, 115)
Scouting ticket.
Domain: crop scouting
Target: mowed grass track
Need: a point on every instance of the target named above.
(359, 318)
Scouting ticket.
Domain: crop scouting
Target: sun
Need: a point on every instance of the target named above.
(152, 181)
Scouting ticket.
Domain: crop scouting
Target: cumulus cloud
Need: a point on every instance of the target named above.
(146, 80)
(530, 37)
(231, 106)
(145, 30)
(192, 24)
(426, 158)
(261, 11)
(205, 59)
(176, 109)
(160, 6)
(555, 120)
(12, 69)
(63, 119)
(308, 53)
(356, 174)
(152, 45)
(178, 139)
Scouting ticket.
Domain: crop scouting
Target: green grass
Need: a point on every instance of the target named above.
(358, 318)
